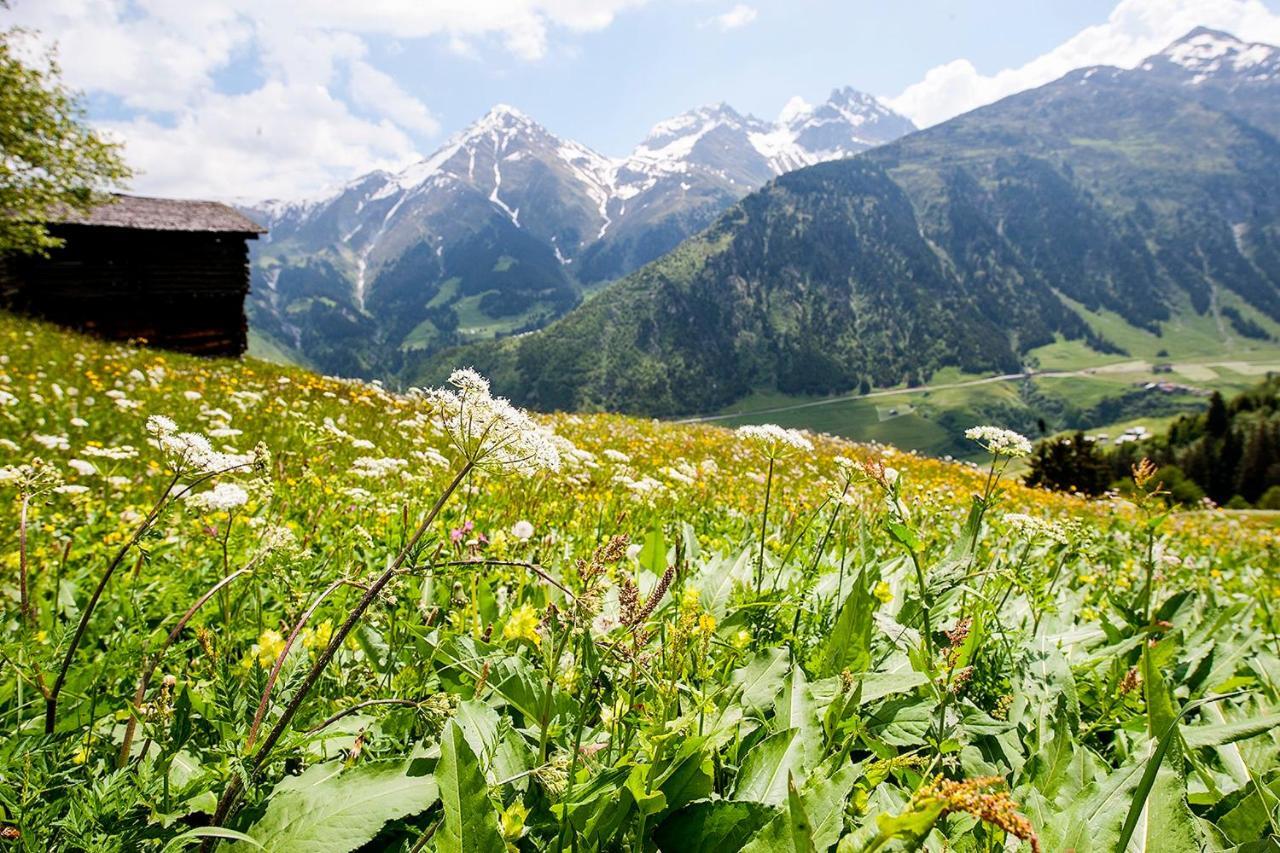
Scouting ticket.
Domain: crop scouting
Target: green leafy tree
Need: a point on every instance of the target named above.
(51, 161)
(1071, 465)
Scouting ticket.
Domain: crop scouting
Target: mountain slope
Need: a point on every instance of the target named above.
(964, 245)
(499, 230)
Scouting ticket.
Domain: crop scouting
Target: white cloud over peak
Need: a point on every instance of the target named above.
(1134, 30)
(307, 106)
(738, 16)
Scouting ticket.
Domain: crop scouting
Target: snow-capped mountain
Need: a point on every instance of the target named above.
(496, 230)
(1206, 56)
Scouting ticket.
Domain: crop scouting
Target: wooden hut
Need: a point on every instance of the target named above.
(171, 272)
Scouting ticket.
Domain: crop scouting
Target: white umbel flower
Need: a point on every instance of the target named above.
(1000, 442)
(488, 431)
(191, 452)
(1031, 527)
(773, 441)
(222, 497)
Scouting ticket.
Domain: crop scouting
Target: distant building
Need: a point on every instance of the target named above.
(173, 273)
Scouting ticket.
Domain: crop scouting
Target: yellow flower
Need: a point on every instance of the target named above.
(265, 651)
(319, 638)
(706, 624)
(741, 640)
(512, 820)
(883, 592)
(523, 625)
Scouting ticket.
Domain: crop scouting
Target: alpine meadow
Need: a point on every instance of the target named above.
(899, 474)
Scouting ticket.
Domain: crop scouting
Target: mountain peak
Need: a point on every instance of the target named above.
(1207, 53)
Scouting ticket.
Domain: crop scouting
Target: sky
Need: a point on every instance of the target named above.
(256, 99)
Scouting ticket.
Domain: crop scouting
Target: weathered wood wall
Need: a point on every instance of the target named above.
(178, 290)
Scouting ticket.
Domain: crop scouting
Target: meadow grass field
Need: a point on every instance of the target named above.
(254, 608)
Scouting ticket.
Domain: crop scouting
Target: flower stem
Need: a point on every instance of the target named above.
(259, 758)
(51, 701)
(764, 527)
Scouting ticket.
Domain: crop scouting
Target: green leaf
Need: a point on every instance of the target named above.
(178, 842)
(687, 776)
(653, 555)
(712, 826)
(757, 682)
(1167, 825)
(470, 820)
(822, 801)
(795, 708)
(1225, 733)
(763, 777)
(500, 757)
(848, 646)
(329, 809)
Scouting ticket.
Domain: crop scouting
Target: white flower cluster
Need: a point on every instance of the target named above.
(1000, 442)
(221, 498)
(191, 453)
(773, 441)
(1031, 527)
(488, 431)
(377, 467)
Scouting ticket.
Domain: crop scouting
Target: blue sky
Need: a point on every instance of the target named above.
(285, 98)
(609, 87)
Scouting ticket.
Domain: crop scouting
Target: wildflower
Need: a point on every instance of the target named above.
(741, 639)
(488, 431)
(83, 468)
(1030, 527)
(882, 592)
(265, 651)
(222, 497)
(522, 530)
(773, 441)
(52, 442)
(999, 442)
(970, 796)
(376, 468)
(523, 625)
(457, 534)
(512, 820)
(34, 478)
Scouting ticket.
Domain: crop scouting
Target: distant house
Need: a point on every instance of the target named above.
(173, 273)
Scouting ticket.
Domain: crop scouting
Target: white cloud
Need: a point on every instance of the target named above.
(309, 108)
(374, 89)
(1135, 30)
(738, 16)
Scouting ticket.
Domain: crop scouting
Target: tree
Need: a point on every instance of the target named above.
(51, 161)
(1070, 465)
(1217, 421)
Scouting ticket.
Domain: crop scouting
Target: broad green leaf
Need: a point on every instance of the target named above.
(848, 646)
(687, 776)
(1166, 824)
(822, 800)
(763, 776)
(653, 555)
(1224, 733)
(795, 708)
(712, 826)
(470, 819)
(500, 757)
(329, 809)
(757, 682)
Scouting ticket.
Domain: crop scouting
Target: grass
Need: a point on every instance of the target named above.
(329, 618)
(1194, 346)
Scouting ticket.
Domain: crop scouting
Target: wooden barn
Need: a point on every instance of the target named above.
(173, 273)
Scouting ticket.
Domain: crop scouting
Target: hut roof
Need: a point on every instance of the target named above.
(164, 214)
